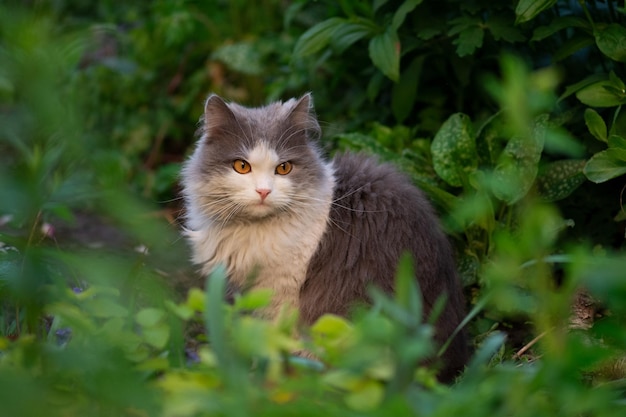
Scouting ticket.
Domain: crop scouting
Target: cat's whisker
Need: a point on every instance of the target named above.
(334, 203)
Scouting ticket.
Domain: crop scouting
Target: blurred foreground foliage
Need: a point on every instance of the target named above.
(507, 115)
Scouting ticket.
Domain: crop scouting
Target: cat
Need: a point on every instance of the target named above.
(262, 200)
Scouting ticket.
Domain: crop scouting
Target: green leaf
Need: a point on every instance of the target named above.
(558, 24)
(149, 317)
(616, 141)
(181, 310)
(403, 92)
(587, 81)
(471, 34)
(596, 125)
(367, 396)
(405, 8)
(517, 169)
(317, 37)
(331, 326)
(454, 150)
(576, 43)
(599, 94)
(195, 299)
(559, 179)
(254, 299)
(384, 51)
(105, 308)
(157, 336)
(606, 165)
(348, 33)
(527, 9)
(407, 292)
(611, 40)
(502, 29)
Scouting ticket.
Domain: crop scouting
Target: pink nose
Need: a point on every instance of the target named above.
(263, 192)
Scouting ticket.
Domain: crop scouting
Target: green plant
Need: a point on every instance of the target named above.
(95, 331)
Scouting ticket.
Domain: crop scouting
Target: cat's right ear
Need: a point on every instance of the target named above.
(218, 117)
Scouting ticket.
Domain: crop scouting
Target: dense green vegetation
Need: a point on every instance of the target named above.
(508, 114)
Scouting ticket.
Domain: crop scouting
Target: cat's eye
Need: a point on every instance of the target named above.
(241, 166)
(284, 168)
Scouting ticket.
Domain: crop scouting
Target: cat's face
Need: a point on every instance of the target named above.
(251, 164)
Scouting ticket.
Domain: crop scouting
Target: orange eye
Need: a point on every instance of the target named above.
(241, 166)
(284, 168)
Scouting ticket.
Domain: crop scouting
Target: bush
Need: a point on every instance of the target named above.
(507, 115)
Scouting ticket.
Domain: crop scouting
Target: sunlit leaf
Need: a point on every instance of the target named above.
(254, 299)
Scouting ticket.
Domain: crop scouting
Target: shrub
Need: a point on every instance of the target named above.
(500, 112)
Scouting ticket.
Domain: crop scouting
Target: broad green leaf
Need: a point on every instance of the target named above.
(405, 8)
(454, 150)
(611, 40)
(149, 317)
(599, 94)
(596, 125)
(318, 37)
(403, 92)
(516, 171)
(559, 179)
(527, 9)
(606, 165)
(384, 51)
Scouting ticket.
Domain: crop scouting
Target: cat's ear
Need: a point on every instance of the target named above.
(218, 117)
(303, 116)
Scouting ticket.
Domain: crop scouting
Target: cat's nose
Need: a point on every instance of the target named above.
(263, 192)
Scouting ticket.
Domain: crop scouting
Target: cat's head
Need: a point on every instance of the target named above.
(253, 163)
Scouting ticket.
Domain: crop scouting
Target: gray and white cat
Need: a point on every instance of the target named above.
(263, 201)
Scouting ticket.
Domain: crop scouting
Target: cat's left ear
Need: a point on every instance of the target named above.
(303, 115)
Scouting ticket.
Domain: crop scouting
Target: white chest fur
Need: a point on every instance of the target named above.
(271, 254)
